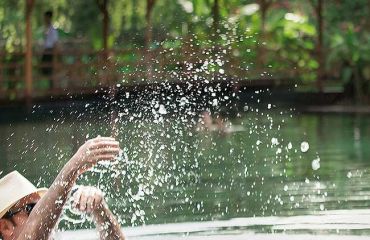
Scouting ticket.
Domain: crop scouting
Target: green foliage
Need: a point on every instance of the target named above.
(350, 53)
(11, 31)
(294, 38)
(286, 47)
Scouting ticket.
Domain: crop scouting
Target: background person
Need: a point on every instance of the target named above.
(50, 44)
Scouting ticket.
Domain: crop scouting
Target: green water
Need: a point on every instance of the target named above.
(175, 174)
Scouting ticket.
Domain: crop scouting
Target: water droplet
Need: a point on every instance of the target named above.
(162, 110)
(214, 102)
(305, 146)
(322, 207)
(274, 141)
(290, 145)
(315, 164)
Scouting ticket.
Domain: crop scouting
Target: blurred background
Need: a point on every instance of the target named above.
(316, 46)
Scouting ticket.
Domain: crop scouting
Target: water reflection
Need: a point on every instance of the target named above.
(174, 173)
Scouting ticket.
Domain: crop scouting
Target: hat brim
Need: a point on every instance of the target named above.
(40, 191)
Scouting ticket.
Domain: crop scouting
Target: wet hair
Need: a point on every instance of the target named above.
(49, 14)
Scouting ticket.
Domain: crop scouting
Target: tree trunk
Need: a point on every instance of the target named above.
(216, 18)
(28, 57)
(320, 56)
(103, 7)
(105, 27)
(320, 45)
(149, 38)
(261, 51)
(148, 19)
(107, 77)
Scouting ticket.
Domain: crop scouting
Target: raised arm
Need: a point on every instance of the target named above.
(46, 213)
(91, 200)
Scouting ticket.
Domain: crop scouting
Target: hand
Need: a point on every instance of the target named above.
(91, 200)
(88, 199)
(94, 151)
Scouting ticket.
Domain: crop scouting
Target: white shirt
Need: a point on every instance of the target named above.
(51, 37)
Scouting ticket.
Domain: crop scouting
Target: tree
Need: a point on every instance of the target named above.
(28, 62)
(318, 9)
(149, 25)
(103, 7)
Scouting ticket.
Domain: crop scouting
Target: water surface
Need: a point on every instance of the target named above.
(174, 173)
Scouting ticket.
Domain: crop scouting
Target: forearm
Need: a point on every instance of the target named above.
(46, 213)
(107, 224)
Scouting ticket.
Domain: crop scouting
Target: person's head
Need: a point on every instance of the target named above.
(206, 118)
(48, 15)
(18, 197)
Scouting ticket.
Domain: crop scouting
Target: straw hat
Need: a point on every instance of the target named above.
(14, 187)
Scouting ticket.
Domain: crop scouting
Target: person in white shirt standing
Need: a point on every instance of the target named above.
(50, 43)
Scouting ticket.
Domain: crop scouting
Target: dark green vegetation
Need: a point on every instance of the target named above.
(321, 44)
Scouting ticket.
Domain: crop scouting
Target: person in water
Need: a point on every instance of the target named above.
(30, 213)
(217, 123)
(208, 123)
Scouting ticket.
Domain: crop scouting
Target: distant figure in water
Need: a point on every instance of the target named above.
(208, 123)
(216, 124)
(30, 213)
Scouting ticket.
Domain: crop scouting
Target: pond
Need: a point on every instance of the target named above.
(272, 163)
